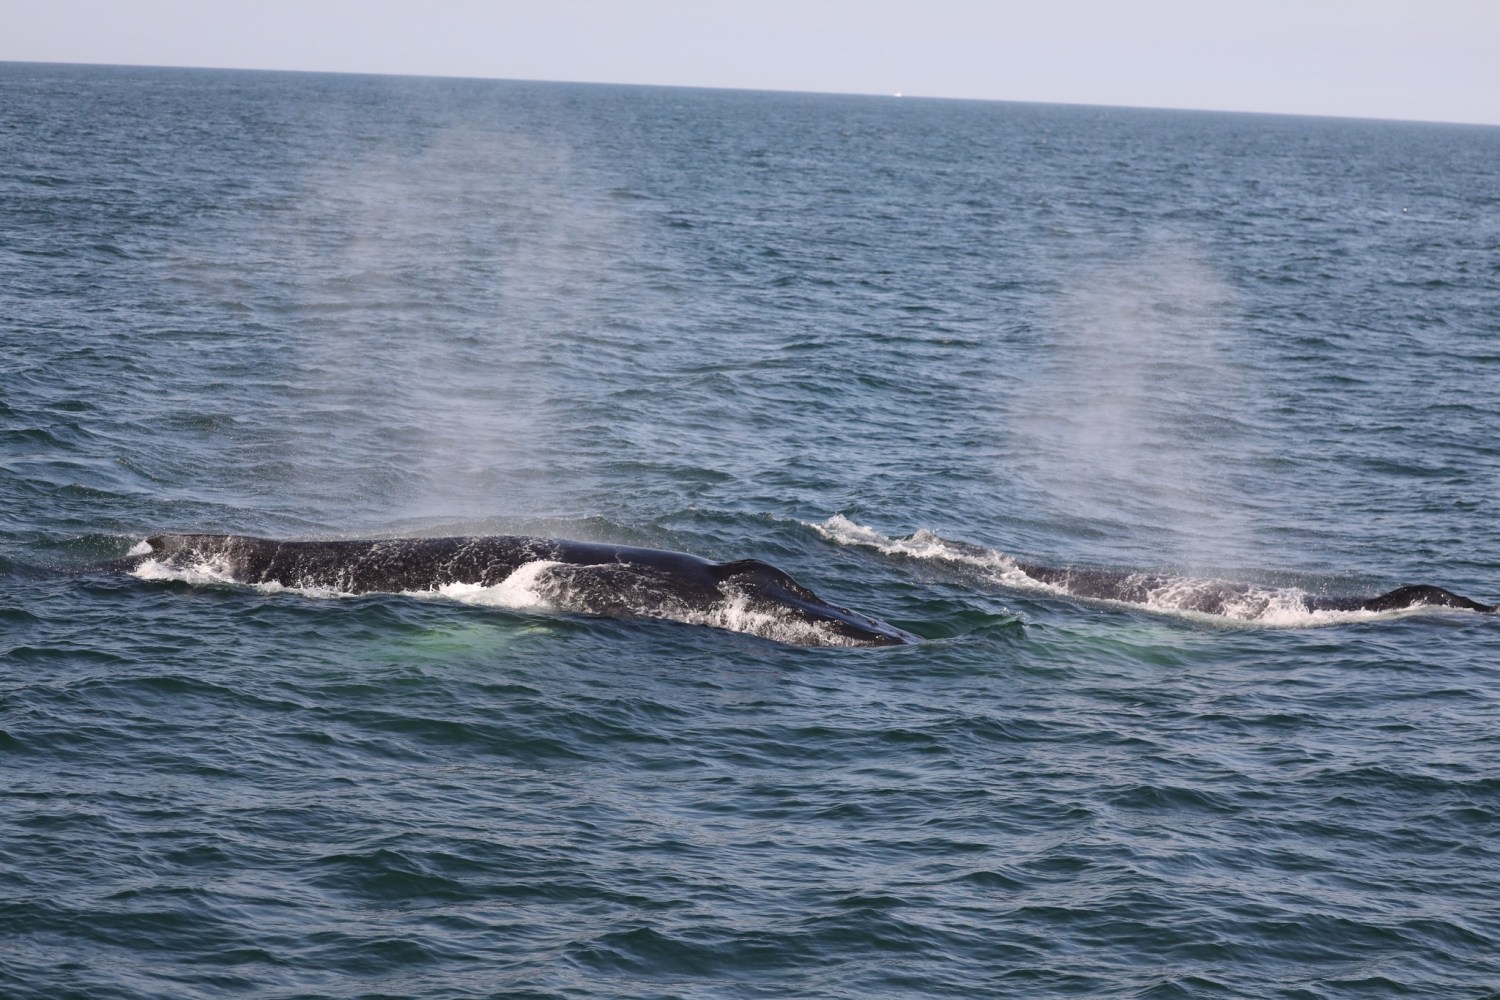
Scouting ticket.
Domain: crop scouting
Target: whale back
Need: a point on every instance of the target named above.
(349, 566)
(587, 577)
(1416, 595)
(1217, 596)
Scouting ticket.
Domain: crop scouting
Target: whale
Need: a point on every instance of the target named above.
(591, 578)
(1217, 597)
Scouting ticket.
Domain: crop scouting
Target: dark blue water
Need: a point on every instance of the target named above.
(839, 334)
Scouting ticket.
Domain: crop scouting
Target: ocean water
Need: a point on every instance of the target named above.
(887, 345)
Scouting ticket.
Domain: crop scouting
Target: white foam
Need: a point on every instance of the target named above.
(521, 591)
(736, 615)
(925, 544)
(212, 571)
(204, 571)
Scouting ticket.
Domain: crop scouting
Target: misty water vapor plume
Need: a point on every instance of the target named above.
(467, 365)
(1129, 422)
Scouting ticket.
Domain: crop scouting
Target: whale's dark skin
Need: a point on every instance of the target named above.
(1416, 595)
(1136, 588)
(592, 578)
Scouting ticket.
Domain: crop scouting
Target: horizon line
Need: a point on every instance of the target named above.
(897, 95)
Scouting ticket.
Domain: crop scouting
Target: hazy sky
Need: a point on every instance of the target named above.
(1426, 59)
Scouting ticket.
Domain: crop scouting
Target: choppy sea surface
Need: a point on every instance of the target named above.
(886, 345)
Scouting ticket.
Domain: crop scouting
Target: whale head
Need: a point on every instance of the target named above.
(768, 591)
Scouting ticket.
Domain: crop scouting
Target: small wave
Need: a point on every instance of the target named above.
(924, 544)
(1198, 598)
